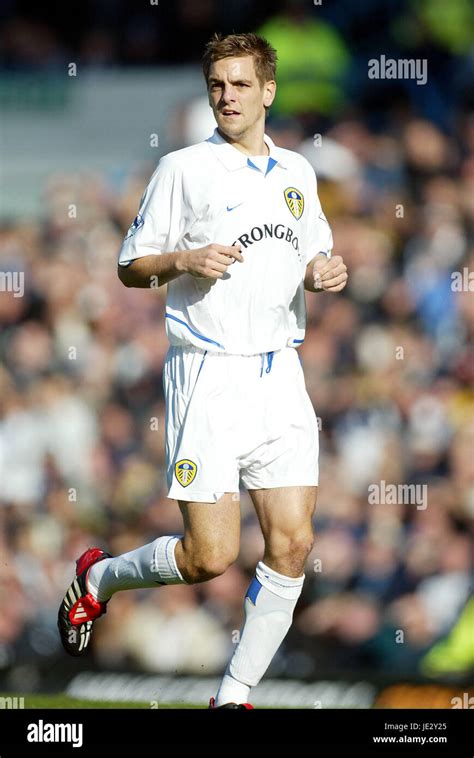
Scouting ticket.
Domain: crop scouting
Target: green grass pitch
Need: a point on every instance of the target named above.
(64, 701)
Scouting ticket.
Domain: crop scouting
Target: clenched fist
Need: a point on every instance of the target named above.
(212, 261)
(330, 274)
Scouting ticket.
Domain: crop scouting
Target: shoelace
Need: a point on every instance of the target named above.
(269, 356)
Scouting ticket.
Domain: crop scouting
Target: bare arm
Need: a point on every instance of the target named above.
(210, 262)
(152, 270)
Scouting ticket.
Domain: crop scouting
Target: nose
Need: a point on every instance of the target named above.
(228, 94)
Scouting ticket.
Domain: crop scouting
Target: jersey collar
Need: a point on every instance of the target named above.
(233, 159)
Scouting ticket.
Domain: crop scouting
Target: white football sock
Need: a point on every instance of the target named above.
(147, 566)
(269, 605)
(232, 691)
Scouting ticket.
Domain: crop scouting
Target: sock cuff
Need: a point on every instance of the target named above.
(288, 587)
(164, 561)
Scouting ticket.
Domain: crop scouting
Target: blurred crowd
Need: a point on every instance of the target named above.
(389, 366)
(323, 47)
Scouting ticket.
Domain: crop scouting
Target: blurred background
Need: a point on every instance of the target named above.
(91, 95)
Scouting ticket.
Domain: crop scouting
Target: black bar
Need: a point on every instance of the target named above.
(318, 732)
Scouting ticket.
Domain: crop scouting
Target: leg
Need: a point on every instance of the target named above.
(285, 515)
(199, 435)
(211, 538)
(209, 545)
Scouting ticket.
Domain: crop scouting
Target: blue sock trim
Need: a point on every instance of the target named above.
(253, 590)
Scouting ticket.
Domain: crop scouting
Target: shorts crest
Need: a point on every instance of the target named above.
(295, 201)
(185, 471)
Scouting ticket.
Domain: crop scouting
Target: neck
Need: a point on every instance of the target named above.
(249, 144)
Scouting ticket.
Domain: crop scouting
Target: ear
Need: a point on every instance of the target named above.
(269, 91)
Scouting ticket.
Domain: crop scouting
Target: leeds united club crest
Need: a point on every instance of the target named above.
(295, 201)
(185, 472)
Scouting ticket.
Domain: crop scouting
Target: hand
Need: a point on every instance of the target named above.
(212, 261)
(330, 274)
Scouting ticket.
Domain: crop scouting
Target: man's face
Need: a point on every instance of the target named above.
(236, 96)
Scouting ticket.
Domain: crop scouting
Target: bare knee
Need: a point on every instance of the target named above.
(204, 565)
(287, 553)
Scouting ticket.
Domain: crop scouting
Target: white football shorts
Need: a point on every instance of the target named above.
(231, 417)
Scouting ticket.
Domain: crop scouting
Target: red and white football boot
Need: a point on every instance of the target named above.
(245, 706)
(79, 609)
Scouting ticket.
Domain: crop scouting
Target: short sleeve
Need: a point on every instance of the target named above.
(319, 234)
(158, 225)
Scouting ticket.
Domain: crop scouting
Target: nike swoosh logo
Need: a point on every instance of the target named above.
(234, 206)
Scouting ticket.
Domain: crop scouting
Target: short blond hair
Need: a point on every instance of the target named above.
(238, 46)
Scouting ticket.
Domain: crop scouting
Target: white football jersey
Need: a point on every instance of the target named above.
(212, 192)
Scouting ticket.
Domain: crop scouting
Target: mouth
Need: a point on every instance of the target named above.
(228, 113)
